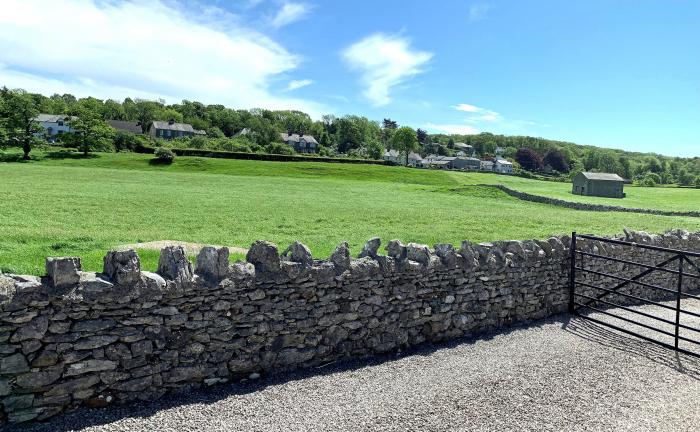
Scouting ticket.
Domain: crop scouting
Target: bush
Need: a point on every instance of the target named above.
(279, 148)
(164, 155)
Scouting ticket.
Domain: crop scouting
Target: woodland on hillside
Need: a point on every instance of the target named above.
(257, 130)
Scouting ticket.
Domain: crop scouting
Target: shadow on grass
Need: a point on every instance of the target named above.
(68, 154)
(12, 157)
(159, 162)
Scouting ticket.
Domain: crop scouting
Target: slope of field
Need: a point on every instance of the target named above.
(85, 206)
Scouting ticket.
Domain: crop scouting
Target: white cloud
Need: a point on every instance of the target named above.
(480, 114)
(466, 107)
(290, 12)
(450, 129)
(478, 11)
(297, 84)
(150, 49)
(384, 61)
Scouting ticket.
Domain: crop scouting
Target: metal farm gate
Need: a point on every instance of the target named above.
(591, 298)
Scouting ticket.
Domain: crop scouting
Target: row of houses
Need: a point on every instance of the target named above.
(55, 125)
(462, 163)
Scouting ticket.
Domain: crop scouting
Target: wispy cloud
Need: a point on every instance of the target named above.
(451, 129)
(479, 114)
(297, 84)
(466, 107)
(478, 11)
(289, 13)
(385, 61)
(226, 63)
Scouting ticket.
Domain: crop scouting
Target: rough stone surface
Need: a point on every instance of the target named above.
(264, 256)
(108, 341)
(212, 263)
(341, 257)
(299, 253)
(370, 248)
(63, 272)
(173, 264)
(122, 267)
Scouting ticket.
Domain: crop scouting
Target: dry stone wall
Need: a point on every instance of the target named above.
(586, 206)
(74, 338)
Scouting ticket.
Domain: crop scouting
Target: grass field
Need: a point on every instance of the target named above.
(75, 206)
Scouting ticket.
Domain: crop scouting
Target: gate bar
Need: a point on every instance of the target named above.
(646, 338)
(631, 321)
(615, 305)
(640, 245)
(648, 285)
(609, 258)
(645, 301)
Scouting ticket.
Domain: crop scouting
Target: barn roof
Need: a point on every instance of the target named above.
(602, 176)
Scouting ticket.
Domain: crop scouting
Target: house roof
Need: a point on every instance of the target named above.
(602, 176)
(440, 162)
(296, 138)
(128, 126)
(469, 159)
(486, 162)
(391, 153)
(52, 118)
(184, 127)
(503, 162)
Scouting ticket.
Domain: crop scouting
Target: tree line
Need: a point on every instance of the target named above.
(258, 130)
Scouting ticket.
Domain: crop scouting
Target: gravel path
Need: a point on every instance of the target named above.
(555, 375)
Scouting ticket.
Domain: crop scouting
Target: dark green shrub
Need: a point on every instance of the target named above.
(164, 155)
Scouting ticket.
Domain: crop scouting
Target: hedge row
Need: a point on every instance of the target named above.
(261, 156)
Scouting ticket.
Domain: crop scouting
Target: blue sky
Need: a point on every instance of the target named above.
(622, 74)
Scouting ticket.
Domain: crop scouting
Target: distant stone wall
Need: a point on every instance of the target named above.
(73, 338)
(587, 206)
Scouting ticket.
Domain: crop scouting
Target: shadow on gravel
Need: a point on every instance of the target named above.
(86, 417)
(593, 332)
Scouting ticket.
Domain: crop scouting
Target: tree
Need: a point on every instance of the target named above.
(404, 140)
(18, 112)
(529, 159)
(90, 131)
(421, 135)
(684, 178)
(145, 114)
(349, 135)
(389, 124)
(556, 160)
(450, 143)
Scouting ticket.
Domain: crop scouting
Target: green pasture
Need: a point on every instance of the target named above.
(62, 204)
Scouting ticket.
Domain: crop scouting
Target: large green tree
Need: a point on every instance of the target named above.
(18, 112)
(404, 140)
(90, 131)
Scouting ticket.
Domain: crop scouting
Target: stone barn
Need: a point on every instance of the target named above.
(598, 184)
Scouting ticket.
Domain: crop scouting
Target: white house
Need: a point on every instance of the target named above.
(500, 150)
(54, 125)
(414, 160)
(503, 166)
(391, 156)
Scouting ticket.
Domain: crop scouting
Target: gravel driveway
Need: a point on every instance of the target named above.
(554, 375)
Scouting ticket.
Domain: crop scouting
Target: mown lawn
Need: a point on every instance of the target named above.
(75, 206)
